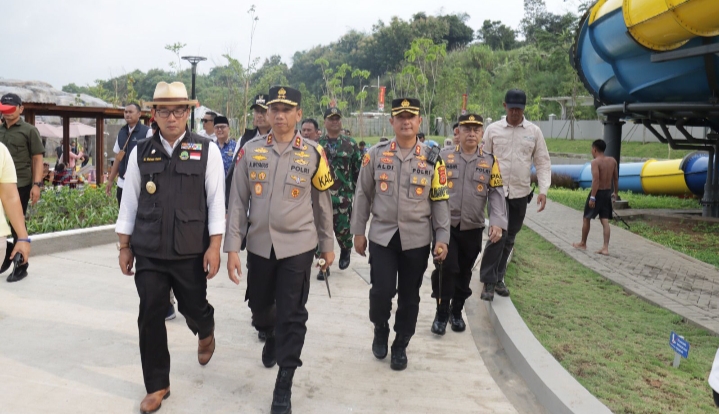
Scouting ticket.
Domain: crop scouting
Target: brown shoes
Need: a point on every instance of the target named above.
(205, 349)
(153, 402)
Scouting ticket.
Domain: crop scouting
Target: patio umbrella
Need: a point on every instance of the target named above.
(78, 129)
(49, 131)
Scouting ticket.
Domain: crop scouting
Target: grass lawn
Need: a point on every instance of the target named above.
(576, 199)
(615, 344)
(629, 149)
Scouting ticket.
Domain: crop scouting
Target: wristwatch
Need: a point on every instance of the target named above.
(121, 246)
(38, 183)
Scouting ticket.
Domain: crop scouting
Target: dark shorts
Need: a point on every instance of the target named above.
(602, 205)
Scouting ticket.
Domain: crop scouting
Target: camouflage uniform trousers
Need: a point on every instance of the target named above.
(342, 211)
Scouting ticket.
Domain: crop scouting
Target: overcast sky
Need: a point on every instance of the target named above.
(64, 41)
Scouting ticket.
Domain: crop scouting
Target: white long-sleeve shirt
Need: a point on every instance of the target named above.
(214, 187)
(516, 148)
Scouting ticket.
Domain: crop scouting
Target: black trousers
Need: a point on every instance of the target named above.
(153, 279)
(118, 194)
(396, 271)
(464, 247)
(277, 290)
(24, 193)
(517, 208)
(493, 253)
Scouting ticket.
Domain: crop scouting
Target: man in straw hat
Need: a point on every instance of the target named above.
(282, 179)
(171, 222)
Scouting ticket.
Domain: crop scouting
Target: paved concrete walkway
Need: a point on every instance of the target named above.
(69, 345)
(658, 274)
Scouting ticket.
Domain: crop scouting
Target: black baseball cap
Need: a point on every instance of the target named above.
(259, 102)
(285, 95)
(333, 112)
(471, 119)
(11, 99)
(515, 98)
(400, 105)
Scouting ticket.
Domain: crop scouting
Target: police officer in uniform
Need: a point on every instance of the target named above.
(282, 180)
(402, 183)
(473, 178)
(171, 221)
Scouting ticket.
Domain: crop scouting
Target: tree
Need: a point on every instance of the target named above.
(336, 90)
(497, 35)
(423, 62)
(458, 34)
(360, 75)
(176, 48)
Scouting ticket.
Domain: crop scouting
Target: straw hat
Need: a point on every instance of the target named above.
(174, 93)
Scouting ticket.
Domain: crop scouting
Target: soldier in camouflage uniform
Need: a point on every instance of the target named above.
(345, 158)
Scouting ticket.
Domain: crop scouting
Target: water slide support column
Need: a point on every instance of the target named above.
(613, 137)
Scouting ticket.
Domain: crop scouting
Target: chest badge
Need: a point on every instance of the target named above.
(151, 187)
(295, 193)
(386, 160)
(258, 189)
(419, 190)
(260, 150)
(383, 186)
(184, 155)
(450, 184)
(422, 164)
(301, 161)
(253, 175)
(259, 157)
(423, 181)
(384, 177)
(262, 175)
(480, 187)
(449, 173)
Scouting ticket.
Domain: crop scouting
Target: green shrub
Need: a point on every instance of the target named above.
(67, 209)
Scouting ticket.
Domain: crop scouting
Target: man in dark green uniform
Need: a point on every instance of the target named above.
(26, 149)
(345, 158)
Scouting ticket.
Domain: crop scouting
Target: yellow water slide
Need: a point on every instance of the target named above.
(662, 25)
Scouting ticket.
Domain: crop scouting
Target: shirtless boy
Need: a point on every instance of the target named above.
(599, 202)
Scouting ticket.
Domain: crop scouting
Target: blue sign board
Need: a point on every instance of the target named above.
(679, 345)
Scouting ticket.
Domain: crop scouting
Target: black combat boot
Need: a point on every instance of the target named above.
(501, 289)
(281, 403)
(268, 351)
(487, 292)
(441, 317)
(455, 315)
(345, 258)
(321, 275)
(379, 344)
(399, 352)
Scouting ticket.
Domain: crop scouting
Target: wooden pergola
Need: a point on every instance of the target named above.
(100, 114)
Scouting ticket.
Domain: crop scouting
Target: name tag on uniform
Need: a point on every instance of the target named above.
(151, 159)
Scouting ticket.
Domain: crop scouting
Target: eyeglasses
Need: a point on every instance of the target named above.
(164, 113)
(204, 121)
(220, 126)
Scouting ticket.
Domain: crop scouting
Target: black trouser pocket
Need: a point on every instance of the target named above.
(189, 231)
(147, 233)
